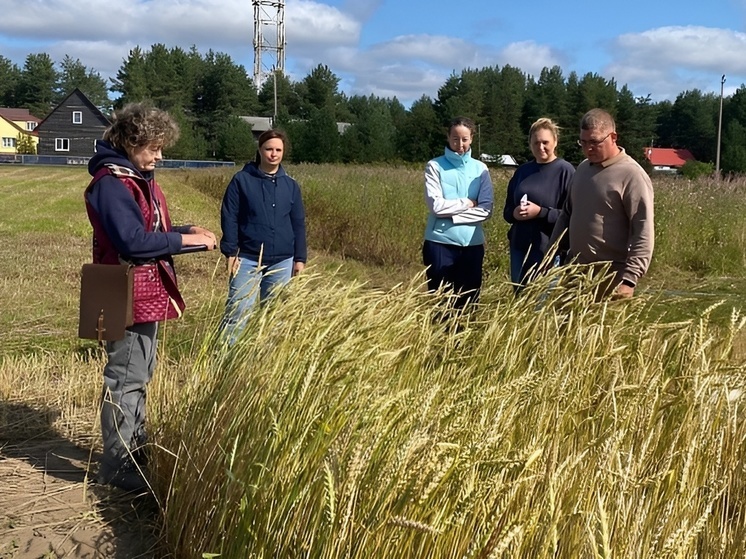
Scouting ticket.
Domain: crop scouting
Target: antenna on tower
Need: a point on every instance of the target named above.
(269, 48)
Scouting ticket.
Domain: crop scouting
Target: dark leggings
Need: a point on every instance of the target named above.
(460, 267)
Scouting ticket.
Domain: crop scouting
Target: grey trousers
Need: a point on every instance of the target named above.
(126, 376)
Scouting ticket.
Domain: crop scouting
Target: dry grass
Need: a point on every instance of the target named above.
(356, 423)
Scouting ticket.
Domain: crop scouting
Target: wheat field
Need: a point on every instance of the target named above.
(360, 419)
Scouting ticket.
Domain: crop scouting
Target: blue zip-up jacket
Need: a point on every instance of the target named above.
(120, 215)
(263, 214)
(451, 181)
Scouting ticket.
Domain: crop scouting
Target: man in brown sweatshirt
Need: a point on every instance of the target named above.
(609, 207)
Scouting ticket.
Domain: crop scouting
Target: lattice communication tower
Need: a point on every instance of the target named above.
(269, 38)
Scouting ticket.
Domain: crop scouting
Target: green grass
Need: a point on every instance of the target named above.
(354, 421)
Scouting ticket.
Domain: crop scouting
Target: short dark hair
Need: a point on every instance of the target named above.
(141, 124)
(271, 134)
(598, 119)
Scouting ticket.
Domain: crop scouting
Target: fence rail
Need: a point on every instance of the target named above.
(18, 159)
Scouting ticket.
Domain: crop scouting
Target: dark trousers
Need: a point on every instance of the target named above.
(456, 266)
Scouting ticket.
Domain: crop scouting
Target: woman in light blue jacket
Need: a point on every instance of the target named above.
(458, 192)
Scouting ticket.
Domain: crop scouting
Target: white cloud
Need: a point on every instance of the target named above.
(447, 52)
(312, 24)
(100, 56)
(101, 34)
(205, 23)
(406, 83)
(531, 57)
(662, 62)
(702, 48)
(665, 61)
(411, 65)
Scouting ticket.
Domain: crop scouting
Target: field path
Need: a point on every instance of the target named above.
(48, 509)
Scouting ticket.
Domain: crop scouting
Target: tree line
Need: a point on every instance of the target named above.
(207, 93)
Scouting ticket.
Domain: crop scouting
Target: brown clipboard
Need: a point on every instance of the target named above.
(105, 301)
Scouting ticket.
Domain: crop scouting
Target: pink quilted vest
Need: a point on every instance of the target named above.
(156, 294)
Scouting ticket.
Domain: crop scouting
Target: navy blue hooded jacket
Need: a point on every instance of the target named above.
(263, 213)
(120, 215)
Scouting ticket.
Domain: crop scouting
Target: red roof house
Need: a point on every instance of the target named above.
(668, 159)
(18, 115)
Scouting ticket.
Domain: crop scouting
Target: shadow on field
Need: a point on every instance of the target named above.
(26, 433)
(100, 519)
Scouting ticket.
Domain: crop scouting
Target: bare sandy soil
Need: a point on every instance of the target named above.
(50, 509)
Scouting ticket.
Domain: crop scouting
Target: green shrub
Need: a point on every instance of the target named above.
(700, 226)
(696, 169)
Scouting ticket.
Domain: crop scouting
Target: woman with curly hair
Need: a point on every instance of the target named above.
(131, 224)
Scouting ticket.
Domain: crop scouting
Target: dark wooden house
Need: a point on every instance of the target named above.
(72, 127)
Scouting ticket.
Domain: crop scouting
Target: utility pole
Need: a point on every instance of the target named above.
(269, 49)
(720, 129)
(274, 115)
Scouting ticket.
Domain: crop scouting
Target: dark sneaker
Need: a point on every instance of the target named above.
(140, 455)
(139, 446)
(127, 477)
(131, 481)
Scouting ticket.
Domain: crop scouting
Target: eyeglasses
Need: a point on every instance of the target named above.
(593, 143)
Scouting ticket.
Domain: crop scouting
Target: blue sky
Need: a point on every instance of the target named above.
(408, 48)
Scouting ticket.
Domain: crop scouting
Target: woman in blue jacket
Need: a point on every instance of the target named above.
(458, 192)
(264, 230)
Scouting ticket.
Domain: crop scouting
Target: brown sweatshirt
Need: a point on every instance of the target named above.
(609, 213)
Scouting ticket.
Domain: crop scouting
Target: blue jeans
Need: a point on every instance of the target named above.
(248, 283)
(517, 259)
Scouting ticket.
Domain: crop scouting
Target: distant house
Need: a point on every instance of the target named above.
(258, 124)
(72, 127)
(261, 124)
(504, 160)
(668, 160)
(14, 124)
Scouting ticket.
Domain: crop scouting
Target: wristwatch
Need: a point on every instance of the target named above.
(629, 283)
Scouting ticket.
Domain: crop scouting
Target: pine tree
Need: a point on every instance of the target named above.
(288, 101)
(73, 74)
(131, 82)
(10, 76)
(235, 141)
(422, 136)
(37, 87)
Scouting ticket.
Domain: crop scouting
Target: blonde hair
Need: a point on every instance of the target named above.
(544, 124)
